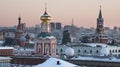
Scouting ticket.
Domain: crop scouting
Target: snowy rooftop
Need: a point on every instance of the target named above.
(31, 42)
(49, 37)
(96, 44)
(6, 48)
(110, 59)
(23, 50)
(52, 62)
(5, 58)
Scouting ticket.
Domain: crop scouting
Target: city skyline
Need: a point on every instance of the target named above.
(84, 12)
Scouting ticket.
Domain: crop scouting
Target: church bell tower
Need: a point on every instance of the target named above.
(46, 43)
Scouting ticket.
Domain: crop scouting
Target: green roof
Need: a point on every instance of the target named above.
(44, 34)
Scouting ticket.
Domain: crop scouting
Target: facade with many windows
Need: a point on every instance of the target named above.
(92, 49)
(6, 51)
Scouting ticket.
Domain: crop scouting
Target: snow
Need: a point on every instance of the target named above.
(69, 51)
(104, 51)
(32, 35)
(1, 48)
(96, 44)
(52, 62)
(50, 37)
(110, 59)
(31, 42)
(23, 50)
(5, 58)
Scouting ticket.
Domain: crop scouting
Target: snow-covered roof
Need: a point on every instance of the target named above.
(5, 58)
(31, 42)
(6, 48)
(50, 37)
(23, 50)
(109, 59)
(52, 62)
(96, 44)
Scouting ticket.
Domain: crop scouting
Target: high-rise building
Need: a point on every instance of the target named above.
(100, 36)
(52, 25)
(58, 26)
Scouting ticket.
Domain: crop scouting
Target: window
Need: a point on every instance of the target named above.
(90, 51)
(119, 55)
(113, 51)
(97, 51)
(115, 55)
(85, 51)
(110, 51)
(61, 50)
(119, 50)
(78, 51)
(116, 51)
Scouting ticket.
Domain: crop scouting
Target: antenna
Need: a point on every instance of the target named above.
(100, 6)
(72, 22)
(45, 6)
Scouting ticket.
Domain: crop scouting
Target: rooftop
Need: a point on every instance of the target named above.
(107, 59)
(54, 62)
(1, 48)
(44, 34)
(96, 44)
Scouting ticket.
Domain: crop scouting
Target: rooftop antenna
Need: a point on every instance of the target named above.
(100, 6)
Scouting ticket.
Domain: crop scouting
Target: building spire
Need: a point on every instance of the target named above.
(100, 13)
(45, 20)
(45, 9)
(19, 20)
(72, 22)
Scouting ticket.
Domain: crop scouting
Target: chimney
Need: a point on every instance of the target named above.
(58, 62)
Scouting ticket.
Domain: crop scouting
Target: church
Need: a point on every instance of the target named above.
(45, 43)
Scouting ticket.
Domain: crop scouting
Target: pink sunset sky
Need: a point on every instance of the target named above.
(84, 12)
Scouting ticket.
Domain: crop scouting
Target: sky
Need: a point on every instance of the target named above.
(83, 12)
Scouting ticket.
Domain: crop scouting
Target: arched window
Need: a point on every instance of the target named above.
(78, 51)
(61, 50)
(113, 51)
(85, 51)
(97, 51)
(110, 51)
(47, 49)
(116, 51)
(90, 51)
